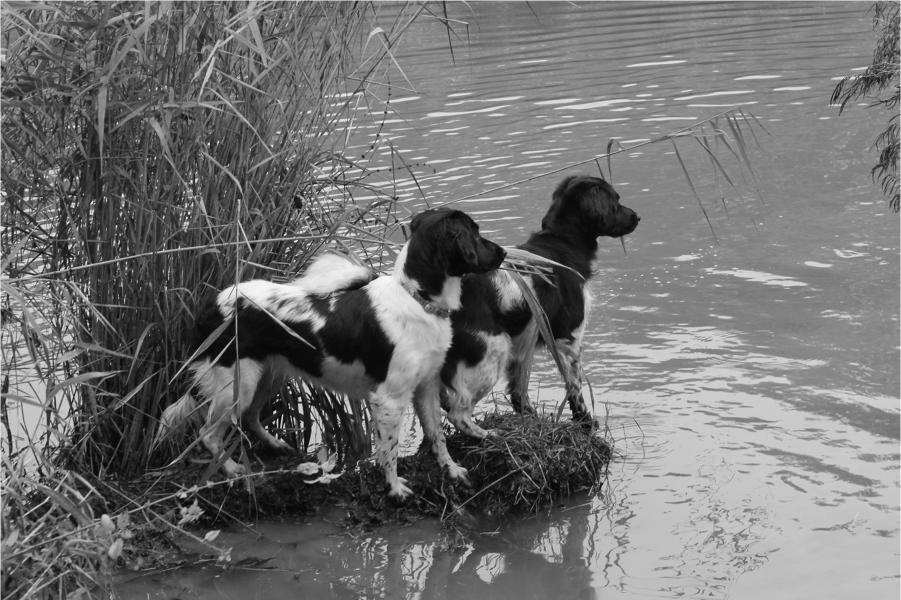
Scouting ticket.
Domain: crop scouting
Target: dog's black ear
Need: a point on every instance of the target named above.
(467, 245)
(463, 234)
(580, 186)
(477, 254)
(597, 204)
(568, 200)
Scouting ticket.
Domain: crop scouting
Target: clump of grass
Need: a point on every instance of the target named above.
(64, 533)
(55, 544)
(531, 463)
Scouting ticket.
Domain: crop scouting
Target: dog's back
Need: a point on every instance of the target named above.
(328, 274)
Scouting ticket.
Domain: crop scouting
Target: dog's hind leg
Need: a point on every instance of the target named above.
(175, 417)
(227, 401)
(387, 412)
(519, 369)
(426, 401)
(571, 353)
(459, 412)
(270, 384)
(518, 372)
(471, 383)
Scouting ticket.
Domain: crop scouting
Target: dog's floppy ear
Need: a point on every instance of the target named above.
(578, 196)
(474, 254)
(596, 204)
(462, 233)
(467, 242)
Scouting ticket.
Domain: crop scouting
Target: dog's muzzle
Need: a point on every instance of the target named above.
(490, 256)
(626, 221)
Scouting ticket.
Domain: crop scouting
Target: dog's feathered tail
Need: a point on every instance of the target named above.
(329, 273)
(334, 272)
(176, 418)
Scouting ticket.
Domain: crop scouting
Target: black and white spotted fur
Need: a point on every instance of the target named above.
(381, 339)
(494, 333)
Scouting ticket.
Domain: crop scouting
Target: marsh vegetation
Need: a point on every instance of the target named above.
(154, 152)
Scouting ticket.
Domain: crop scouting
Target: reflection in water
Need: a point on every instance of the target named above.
(540, 559)
(751, 386)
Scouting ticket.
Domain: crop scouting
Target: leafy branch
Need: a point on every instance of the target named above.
(877, 78)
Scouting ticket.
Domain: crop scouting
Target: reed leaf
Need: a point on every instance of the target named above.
(694, 191)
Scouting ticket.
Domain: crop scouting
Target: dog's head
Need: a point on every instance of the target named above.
(589, 205)
(450, 239)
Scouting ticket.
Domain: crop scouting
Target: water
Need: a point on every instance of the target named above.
(751, 382)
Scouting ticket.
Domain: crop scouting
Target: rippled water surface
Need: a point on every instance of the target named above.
(750, 373)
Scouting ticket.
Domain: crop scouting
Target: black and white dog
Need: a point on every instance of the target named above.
(494, 332)
(381, 339)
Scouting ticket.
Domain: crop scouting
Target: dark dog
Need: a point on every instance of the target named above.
(381, 339)
(494, 332)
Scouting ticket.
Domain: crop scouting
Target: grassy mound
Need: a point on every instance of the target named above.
(529, 464)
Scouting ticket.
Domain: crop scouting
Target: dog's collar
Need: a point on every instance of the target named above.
(427, 305)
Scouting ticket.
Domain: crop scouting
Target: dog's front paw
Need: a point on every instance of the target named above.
(282, 446)
(458, 473)
(477, 432)
(588, 423)
(399, 489)
(233, 469)
(527, 409)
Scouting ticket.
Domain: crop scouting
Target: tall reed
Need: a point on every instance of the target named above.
(154, 152)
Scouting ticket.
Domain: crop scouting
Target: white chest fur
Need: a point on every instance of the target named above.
(420, 339)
